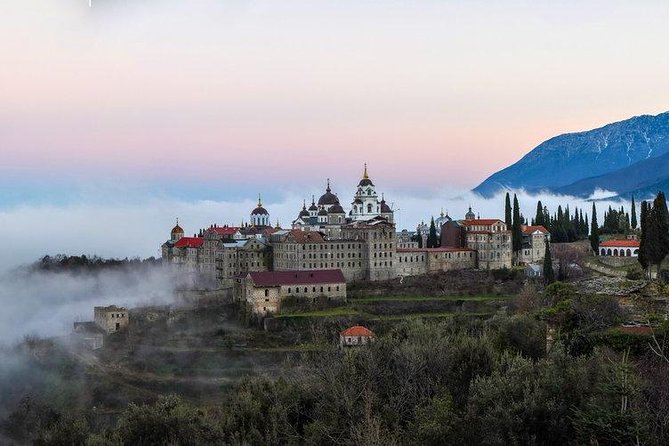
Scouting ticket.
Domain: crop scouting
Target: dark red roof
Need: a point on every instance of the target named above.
(276, 278)
(357, 330)
(306, 236)
(189, 242)
(482, 222)
(226, 230)
(620, 243)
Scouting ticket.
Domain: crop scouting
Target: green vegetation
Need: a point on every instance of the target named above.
(443, 381)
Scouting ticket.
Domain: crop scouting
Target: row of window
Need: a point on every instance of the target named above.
(306, 289)
(332, 265)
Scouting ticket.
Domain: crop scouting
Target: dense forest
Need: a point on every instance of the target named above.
(454, 381)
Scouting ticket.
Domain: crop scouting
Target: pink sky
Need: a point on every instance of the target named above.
(431, 93)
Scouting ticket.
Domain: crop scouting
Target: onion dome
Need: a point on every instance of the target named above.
(328, 198)
(177, 229)
(337, 209)
(470, 215)
(385, 209)
(322, 211)
(365, 181)
(259, 210)
(313, 206)
(304, 212)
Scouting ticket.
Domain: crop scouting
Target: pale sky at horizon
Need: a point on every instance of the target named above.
(429, 93)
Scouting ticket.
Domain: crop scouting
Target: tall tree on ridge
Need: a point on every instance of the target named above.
(634, 221)
(432, 241)
(539, 219)
(516, 234)
(507, 211)
(643, 248)
(594, 230)
(658, 246)
(549, 274)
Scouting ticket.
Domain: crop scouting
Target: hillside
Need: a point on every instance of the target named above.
(641, 179)
(567, 159)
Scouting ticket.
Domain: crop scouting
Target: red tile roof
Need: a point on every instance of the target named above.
(481, 222)
(532, 229)
(226, 230)
(620, 244)
(189, 242)
(357, 330)
(277, 278)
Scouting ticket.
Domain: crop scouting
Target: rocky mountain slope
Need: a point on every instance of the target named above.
(564, 161)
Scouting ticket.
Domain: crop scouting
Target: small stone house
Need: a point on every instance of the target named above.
(112, 318)
(356, 335)
(89, 334)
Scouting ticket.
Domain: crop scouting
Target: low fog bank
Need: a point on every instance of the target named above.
(117, 229)
(46, 303)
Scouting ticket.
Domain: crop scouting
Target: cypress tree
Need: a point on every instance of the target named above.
(516, 234)
(419, 236)
(643, 254)
(633, 222)
(549, 274)
(539, 218)
(507, 211)
(659, 220)
(432, 241)
(594, 231)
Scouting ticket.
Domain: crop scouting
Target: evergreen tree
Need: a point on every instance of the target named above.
(549, 274)
(633, 222)
(643, 254)
(507, 211)
(516, 234)
(419, 236)
(539, 219)
(594, 231)
(432, 241)
(658, 230)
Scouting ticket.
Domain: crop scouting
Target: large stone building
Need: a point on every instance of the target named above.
(264, 291)
(491, 239)
(361, 242)
(216, 255)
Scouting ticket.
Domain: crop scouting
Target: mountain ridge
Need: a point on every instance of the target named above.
(568, 158)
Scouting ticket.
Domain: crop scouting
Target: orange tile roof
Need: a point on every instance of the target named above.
(531, 229)
(357, 330)
(620, 244)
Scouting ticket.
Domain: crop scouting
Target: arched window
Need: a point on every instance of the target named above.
(629, 253)
(266, 293)
(608, 252)
(615, 253)
(603, 251)
(369, 208)
(636, 252)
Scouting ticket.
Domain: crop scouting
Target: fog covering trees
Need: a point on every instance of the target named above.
(459, 381)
